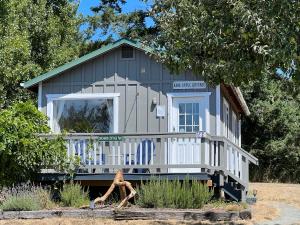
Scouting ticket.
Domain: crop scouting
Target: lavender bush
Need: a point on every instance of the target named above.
(26, 197)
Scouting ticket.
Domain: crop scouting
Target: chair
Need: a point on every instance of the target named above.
(80, 146)
(143, 148)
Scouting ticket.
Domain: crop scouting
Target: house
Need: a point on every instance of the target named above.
(124, 110)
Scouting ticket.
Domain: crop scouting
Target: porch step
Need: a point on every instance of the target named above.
(232, 192)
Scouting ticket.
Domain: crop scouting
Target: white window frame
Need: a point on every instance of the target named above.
(79, 96)
(170, 96)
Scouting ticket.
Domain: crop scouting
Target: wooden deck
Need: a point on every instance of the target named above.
(166, 155)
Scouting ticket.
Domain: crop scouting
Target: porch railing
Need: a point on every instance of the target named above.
(159, 153)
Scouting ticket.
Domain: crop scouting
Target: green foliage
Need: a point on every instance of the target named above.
(20, 203)
(22, 153)
(272, 132)
(228, 41)
(111, 21)
(173, 194)
(25, 197)
(73, 195)
(35, 36)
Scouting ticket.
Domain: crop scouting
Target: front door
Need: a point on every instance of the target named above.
(187, 116)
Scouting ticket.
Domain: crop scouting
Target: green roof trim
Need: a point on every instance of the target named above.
(83, 59)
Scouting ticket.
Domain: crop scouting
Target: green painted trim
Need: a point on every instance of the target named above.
(83, 59)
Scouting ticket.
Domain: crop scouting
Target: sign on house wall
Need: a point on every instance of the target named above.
(189, 85)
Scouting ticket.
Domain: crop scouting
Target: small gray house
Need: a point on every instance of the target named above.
(122, 109)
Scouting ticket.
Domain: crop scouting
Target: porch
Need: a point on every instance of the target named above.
(160, 154)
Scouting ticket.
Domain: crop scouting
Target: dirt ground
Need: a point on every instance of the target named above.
(271, 197)
(266, 211)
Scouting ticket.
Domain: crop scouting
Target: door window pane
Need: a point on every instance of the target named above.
(181, 108)
(189, 108)
(189, 128)
(181, 120)
(196, 108)
(189, 117)
(196, 119)
(189, 120)
(181, 129)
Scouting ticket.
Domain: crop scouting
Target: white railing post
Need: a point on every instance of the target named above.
(240, 167)
(217, 153)
(95, 152)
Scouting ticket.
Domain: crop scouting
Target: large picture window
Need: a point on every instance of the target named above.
(82, 113)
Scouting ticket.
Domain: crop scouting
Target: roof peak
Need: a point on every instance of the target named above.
(85, 58)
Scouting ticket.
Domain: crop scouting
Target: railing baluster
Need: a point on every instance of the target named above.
(129, 150)
(135, 151)
(236, 164)
(113, 153)
(68, 145)
(217, 153)
(95, 152)
(165, 140)
(89, 153)
(152, 150)
(212, 153)
(147, 152)
(100, 153)
(240, 167)
(73, 148)
(141, 151)
(124, 151)
(83, 150)
(119, 152)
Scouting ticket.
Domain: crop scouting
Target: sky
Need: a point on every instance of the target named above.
(85, 5)
(131, 5)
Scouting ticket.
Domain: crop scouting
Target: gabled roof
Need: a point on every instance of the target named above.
(103, 50)
(34, 82)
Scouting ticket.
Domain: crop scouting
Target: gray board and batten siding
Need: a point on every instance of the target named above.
(138, 80)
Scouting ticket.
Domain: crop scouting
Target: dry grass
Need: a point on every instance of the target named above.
(270, 193)
(287, 193)
(264, 209)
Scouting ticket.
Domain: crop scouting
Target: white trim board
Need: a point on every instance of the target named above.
(218, 111)
(114, 96)
(40, 96)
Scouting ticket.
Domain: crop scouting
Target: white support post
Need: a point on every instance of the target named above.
(100, 153)
(95, 152)
(40, 96)
(240, 167)
(236, 170)
(119, 153)
(212, 149)
(218, 110)
(217, 153)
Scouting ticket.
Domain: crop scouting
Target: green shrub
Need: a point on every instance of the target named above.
(44, 199)
(73, 195)
(25, 197)
(20, 203)
(173, 194)
(22, 152)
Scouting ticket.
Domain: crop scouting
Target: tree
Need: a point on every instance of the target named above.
(22, 152)
(272, 131)
(110, 21)
(231, 41)
(35, 36)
